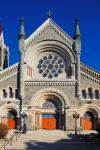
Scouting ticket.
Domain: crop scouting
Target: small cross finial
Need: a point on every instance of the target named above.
(49, 14)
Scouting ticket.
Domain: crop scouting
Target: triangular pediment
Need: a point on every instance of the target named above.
(49, 30)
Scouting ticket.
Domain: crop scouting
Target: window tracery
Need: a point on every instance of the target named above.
(49, 104)
(50, 66)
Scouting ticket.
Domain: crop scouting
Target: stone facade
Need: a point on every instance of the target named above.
(50, 74)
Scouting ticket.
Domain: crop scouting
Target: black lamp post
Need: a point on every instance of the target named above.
(75, 116)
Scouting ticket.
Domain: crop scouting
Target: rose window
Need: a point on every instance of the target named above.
(50, 66)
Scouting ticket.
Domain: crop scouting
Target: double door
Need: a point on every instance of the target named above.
(49, 121)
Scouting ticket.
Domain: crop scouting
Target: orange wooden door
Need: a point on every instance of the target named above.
(87, 124)
(11, 123)
(49, 123)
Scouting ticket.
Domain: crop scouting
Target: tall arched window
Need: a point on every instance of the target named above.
(96, 94)
(4, 93)
(90, 94)
(84, 94)
(10, 92)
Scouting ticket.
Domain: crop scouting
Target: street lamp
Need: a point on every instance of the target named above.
(75, 116)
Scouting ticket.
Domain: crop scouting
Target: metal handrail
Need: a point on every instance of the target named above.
(7, 141)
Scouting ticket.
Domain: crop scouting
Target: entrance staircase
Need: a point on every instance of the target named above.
(37, 140)
(47, 140)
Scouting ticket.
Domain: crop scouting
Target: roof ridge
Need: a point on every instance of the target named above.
(8, 68)
(90, 67)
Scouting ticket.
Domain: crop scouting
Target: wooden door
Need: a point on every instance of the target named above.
(11, 123)
(49, 123)
(88, 124)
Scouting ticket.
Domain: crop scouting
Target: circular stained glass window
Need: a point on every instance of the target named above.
(50, 66)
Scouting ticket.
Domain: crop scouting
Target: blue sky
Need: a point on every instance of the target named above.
(64, 13)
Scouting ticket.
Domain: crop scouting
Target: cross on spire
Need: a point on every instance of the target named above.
(49, 14)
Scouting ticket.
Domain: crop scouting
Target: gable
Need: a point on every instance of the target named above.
(8, 73)
(49, 30)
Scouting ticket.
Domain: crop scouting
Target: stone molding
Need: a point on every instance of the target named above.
(4, 108)
(91, 72)
(49, 23)
(8, 72)
(90, 77)
(50, 91)
(9, 77)
(49, 83)
(91, 107)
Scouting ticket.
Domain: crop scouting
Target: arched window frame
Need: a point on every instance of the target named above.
(4, 93)
(96, 94)
(10, 92)
(90, 93)
(83, 94)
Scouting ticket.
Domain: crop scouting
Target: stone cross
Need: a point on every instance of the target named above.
(49, 14)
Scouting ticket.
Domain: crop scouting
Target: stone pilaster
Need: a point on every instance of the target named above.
(78, 74)
(66, 119)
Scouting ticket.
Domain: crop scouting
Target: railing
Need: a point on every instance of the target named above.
(10, 141)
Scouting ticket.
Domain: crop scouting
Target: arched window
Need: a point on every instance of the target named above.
(90, 94)
(10, 92)
(96, 94)
(49, 104)
(84, 94)
(4, 93)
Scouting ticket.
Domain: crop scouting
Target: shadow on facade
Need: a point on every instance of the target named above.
(74, 143)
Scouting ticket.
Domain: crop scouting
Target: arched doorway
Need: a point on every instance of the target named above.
(50, 103)
(50, 120)
(10, 118)
(88, 122)
(12, 121)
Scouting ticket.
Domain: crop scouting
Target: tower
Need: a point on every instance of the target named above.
(4, 52)
(22, 50)
(77, 38)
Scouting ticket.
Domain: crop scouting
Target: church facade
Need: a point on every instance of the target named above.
(49, 85)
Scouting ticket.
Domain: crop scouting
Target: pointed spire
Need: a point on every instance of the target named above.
(22, 31)
(0, 28)
(1, 36)
(77, 30)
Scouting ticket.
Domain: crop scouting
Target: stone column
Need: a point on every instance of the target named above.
(59, 120)
(73, 70)
(66, 119)
(22, 76)
(33, 120)
(36, 120)
(78, 74)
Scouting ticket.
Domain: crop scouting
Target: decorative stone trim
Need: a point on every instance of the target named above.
(45, 83)
(9, 77)
(87, 107)
(51, 25)
(91, 72)
(90, 77)
(6, 73)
